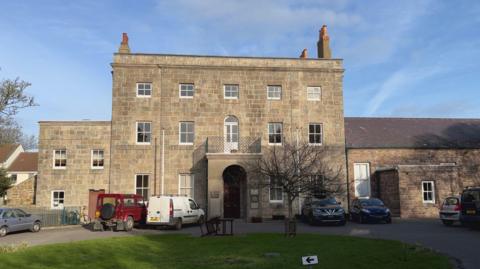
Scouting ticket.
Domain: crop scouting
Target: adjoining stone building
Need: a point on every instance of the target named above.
(185, 124)
(412, 163)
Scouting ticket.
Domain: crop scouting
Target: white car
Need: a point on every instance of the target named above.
(173, 211)
(450, 210)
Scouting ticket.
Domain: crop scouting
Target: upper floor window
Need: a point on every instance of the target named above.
(186, 90)
(230, 91)
(428, 191)
(60, 158)
(186, 132)
(314, 93)
(97, 159)
(274, 92)
(275, 133)
(144, 89)
(144, 132)
(185, 185)
(315, 133)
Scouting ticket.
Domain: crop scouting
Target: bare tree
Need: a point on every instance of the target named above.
(13, 96)
(298, 169)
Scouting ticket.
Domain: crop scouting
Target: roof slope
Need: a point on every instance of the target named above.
(25, 162)
(6, 150)
(433, 133)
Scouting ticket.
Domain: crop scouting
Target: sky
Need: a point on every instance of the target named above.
(402, 58)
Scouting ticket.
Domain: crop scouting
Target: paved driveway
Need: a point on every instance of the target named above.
(458, 242)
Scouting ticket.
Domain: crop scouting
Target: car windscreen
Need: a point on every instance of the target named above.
(1, 212)
(471, 196)
(325, 202)
(108, 200)
(451, 201)
(371, 202)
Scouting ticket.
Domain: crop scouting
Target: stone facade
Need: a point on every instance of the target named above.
(23, 193)
(396, 176)
(78, 138)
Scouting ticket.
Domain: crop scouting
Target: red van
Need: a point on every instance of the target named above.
(119, 211)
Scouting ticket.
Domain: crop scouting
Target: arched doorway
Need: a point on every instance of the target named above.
(234, 189)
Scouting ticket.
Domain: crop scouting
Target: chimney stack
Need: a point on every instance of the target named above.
(323, 44)
(124, 48)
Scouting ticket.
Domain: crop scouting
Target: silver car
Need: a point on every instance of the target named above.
(450, 210)
(14, 219)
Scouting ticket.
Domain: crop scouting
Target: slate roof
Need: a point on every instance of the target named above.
(6, 150)
(25, 162)
(421, 133)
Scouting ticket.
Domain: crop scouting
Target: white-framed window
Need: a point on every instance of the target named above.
(186, 132)
(60, 159)
(276, 191)
(230, 91)
(13, 178)
(361, 175)
(275, 133)
(186, 183)
(428, 192)
(58, 199)
(274, 92)
(98, 159)
(144, 132)
(144, 89)
(314, 93)
(315, 131)
(186, 90)
(142, 185)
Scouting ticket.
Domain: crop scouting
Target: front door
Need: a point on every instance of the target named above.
(230, 134)
(231, 197)
(92, 202)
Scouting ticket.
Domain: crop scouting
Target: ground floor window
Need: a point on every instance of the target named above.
(58, 199)
(276, 191)
(142, 186)
(186, 184)
(428, 191)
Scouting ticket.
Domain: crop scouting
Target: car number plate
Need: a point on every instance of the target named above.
(471, 212)
(154, 218)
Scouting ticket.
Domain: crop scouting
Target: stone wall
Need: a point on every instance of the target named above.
(385, 185)
(22, 194)
(79, 139)
(417, 165)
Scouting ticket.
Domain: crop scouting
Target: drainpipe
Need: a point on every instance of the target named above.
(155, 168)
(346, 174)
(163, 161)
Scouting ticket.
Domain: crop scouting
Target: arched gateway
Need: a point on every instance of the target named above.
(234, 191)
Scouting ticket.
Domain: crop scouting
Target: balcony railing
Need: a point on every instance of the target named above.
(245, 144)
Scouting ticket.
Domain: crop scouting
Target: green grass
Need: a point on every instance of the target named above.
(182, 251)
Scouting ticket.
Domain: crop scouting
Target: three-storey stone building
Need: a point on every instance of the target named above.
(186, 124)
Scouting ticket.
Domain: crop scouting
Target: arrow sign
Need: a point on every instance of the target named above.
(309, 260)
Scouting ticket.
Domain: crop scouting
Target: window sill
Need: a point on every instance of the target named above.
(315, 144)
(276, 201)
(186, 97)
(185, 144)
(275, 144)
(143, 143)
(59, 168)
(97, 168)
(144, 96)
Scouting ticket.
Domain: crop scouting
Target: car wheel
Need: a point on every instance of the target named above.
(362, 219)
(389, 221)
(342, 223)
(3, 231)
(311, 221)
(178, 224)
(129, 224)
(201, 220)
(36, 227)
(447, 222)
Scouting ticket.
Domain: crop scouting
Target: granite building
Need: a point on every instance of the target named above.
(186, 124)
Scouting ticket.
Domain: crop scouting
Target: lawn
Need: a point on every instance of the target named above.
(183, 251)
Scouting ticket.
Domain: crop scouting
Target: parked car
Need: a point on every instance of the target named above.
(323, 211)
(450, 210)
(173, 211)
(119, 211)
(14, 219)
(369, 209)
(470, 206)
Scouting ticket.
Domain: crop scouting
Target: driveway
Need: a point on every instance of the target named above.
(461, 243)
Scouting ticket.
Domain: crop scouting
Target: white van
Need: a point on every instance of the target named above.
(173, 211)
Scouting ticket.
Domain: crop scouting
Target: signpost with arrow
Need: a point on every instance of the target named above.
(309, 260)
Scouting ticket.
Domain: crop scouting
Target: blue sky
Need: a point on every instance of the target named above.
(402, 58)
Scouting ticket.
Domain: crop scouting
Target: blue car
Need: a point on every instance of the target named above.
(14, 219)
(369, 210)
